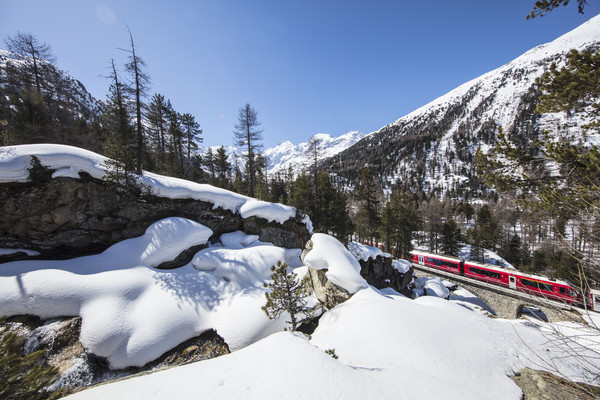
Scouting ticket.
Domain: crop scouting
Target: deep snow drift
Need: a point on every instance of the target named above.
(389, 347)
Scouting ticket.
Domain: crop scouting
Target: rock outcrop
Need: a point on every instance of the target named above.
(380, 273)
(63, 217)
(542, 385)
(59, 339)
(328, 293)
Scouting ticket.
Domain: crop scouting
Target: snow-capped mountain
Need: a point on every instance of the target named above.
(434, 146)
(301, 156)
(298, 156)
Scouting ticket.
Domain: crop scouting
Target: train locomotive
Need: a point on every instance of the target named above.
(559, 290)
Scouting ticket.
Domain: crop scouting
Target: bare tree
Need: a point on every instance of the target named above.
(25, 44)
(141, 80)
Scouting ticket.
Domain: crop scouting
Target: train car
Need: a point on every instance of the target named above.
(445, 263)
(510, 278)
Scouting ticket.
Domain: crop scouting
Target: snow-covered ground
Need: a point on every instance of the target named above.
(389, 347)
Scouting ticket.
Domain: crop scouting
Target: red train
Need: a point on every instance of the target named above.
(510, 278)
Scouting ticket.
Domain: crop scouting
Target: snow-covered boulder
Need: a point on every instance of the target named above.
(431, 287)
(328, 253)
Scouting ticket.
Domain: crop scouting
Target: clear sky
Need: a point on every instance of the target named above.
(306, 66)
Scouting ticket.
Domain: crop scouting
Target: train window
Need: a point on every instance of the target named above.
(485, 272)
(536, 284)
(449, 264)
(562, 290)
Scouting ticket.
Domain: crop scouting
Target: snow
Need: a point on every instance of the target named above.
(5, 252)
(364, 252)
(68, 161)
(431, 287)
(402, 266)
(132, 313)
(342, 268)
(489, 256)
(389, 347)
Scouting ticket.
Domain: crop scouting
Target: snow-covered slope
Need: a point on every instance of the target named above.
(57, 84)
(434, 145)
(389, 347)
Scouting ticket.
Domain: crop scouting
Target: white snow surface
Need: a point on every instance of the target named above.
(342, 268)
(364, 252)
(401, 266)
(68, 161)
(131, 312)
(389, 347)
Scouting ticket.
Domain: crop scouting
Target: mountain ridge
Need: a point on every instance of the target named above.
(432, 148)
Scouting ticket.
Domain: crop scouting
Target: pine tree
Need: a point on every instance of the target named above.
(222, 167)
(543, 7)
(191, 134)
(450, 238)
(247, 136)
(209, 162)
(368, 214)
(24, 377)
(156, 115)
(120, 143)
(288, 295)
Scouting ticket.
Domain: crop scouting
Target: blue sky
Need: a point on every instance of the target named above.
(307, 66)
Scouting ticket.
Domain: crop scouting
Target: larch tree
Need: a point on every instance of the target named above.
(248, 135)
(25, 44)
(368, 218)
(140, 83)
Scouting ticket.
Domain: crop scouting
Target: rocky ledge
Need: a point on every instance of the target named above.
(62, 218)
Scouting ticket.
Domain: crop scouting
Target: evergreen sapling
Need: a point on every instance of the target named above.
(288, 294)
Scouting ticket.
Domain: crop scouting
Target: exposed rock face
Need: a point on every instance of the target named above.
(328, 293)
(64, 217)
(380, 273)
(541, 385)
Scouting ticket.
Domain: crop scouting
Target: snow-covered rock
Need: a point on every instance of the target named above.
(69, 161)
(342, 268)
